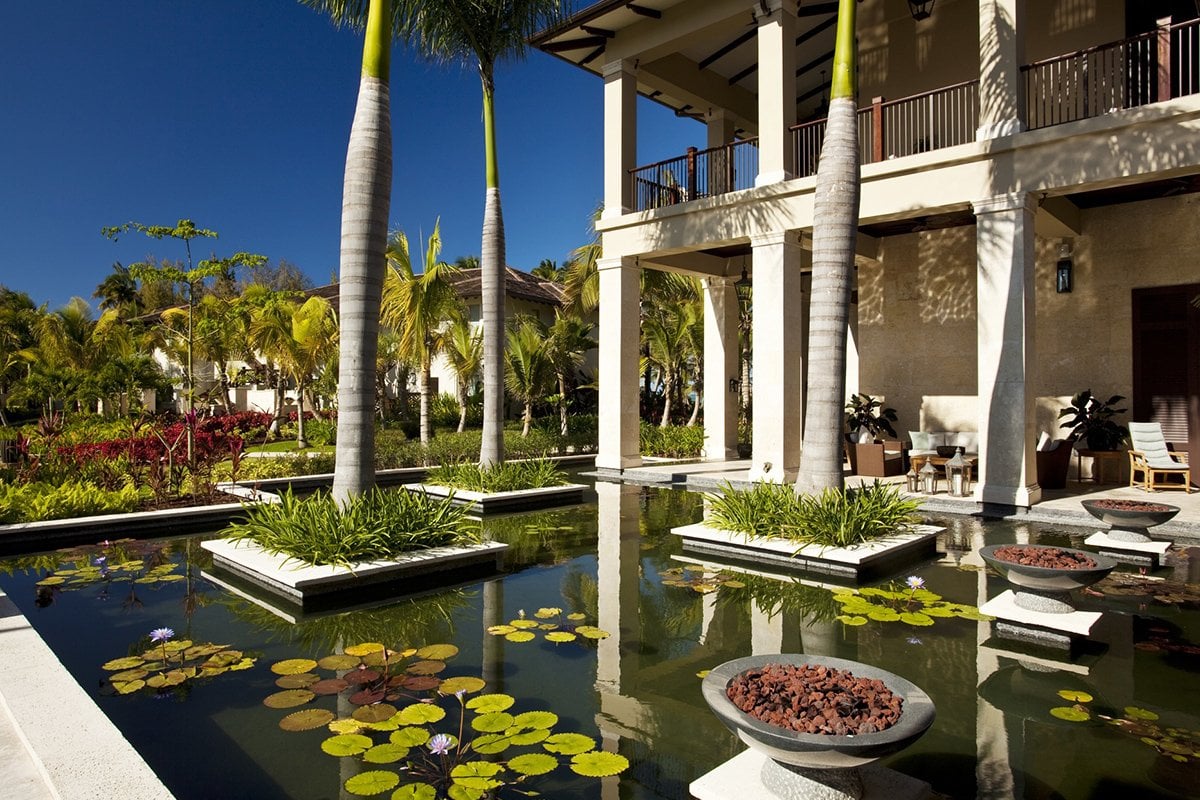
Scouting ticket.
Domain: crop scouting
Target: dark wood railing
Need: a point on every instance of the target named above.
(697, 173)
(1148, 68)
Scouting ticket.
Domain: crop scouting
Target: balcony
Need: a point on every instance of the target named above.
(1148, 68)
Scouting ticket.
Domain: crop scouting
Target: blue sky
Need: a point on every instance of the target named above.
(236, 113)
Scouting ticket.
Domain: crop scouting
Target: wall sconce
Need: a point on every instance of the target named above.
(743, 286)
(735, 385)
(1062, 272)
(921, 9)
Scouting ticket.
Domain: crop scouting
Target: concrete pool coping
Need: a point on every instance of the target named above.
(55, 742)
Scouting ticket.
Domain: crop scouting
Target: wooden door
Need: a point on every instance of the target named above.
(1166, 363)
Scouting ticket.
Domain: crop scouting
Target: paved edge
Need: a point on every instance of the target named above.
(85, 758)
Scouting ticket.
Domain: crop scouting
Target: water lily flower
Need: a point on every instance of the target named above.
(98, 561)
(161, 634)
(914, 582)
(439, 744)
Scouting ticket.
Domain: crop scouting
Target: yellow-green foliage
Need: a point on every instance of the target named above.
(38, 501)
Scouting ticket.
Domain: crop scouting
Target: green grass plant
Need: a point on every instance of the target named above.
(674, 441)
(31, 502)
(539, 473)
(833, 518)
(380, 524)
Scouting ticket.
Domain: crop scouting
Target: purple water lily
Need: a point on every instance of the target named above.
(161, 634)
(440, 744)
(914, 583)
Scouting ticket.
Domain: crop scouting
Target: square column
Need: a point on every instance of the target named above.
(778, 356)
(618, 369)
(620, 136)
(721, 379)
(1001, 53)
(776, 90)
(720, 129)
(1007, 468)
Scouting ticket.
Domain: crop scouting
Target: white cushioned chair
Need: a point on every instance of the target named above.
(1151, 465)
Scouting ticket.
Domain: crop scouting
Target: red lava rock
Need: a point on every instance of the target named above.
(815, 699)
(1048, 557)
(1130, 505)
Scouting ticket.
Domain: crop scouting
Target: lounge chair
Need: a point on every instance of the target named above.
(1151, 465)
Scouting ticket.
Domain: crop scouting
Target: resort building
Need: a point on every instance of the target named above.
(1028, 212)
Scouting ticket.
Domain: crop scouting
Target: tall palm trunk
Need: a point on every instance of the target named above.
(492, 279)
(366, 197)
(835, 222)
(562, 404)
(668, 385)
(528, 418)
(301, 441)
(695, 408)
(423, 381)
(462, 406)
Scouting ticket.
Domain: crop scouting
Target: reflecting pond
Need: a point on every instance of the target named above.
(1118, 720)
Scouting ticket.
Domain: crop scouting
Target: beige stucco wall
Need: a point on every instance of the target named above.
(899, 57)
(917, 311)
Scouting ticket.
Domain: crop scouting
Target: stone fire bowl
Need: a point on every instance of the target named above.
(815, 750)
(1130, 519)
(1046, 579)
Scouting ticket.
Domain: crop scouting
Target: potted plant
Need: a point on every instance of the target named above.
(1091, 421)
(865, 416)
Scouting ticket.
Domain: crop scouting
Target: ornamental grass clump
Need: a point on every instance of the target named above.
(833, 518)
(377, 525)
(509, 476)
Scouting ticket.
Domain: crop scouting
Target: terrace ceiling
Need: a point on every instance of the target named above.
(710, 60)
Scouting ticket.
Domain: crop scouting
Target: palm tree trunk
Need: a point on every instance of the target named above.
(562, 404)
(835, 222)
(423, 387)
(301, 442)
(492, 279)
(462, 406)
(668, 385)
(528, 418)
(366, 197)
(695, 409)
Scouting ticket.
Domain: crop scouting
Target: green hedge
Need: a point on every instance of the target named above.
(672, 442)
(32, 502)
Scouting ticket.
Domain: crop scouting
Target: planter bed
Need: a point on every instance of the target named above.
(302, 584)
(520, 500)
(882, 557)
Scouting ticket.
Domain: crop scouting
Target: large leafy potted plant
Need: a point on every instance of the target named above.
(866, 414)
(1091, 421)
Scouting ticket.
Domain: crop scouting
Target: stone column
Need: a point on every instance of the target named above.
(720, 369)
(618, 368)
(776, 90)
(618, 557)
(720, 171)
(1001, 53)
(778, 363)
(620, 136)
(1007, 469)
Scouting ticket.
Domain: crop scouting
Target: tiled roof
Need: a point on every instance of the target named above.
(517, 284)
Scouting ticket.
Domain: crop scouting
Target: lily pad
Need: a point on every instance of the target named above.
(1133, 712)
(520, 636)
(533, 763)
(289, 698)
(301, 681)
(410, 737)
(852, 620)
(569, 744)
(490, 703)
(916, 618)
(378, 781)
(592, 632)
(527, 737)
(128, 687)
(346, 744)
(420, 714)
(388, 753)
(500, 630)
(464, 683)
(537, 719)
(547, 613)
(421, 683)
(494, 722)
(374, 713)
(560, 636)
(437, 652)
(415, 791)
(307, 720)
(523, 623)
(293, 666)
(576, 617)
(491, 744)
(339, 662)
(345, 726)
(328, 686)
(1071, 713)
(426, 667)
(128, 662)
(366, 648)
(1075, 696)
(599, 764)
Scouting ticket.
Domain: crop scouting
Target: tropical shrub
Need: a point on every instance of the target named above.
(31, 502)
(393, 451)
(834, 518)
(505, 477)
(379, 524)
(278, 466)
(675, 441)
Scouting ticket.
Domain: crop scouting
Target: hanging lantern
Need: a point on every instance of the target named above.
(958, 475)
(921, 9)
(929, 478)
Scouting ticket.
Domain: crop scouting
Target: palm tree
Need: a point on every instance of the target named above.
(835, 220)
(548, 270)
(672, 320)
(527, 363)
(464, 353)
(480, 33)
(419, 306)
(301, 338)
(366, 200)
(568, 340)
(119, 291)
(18, 322)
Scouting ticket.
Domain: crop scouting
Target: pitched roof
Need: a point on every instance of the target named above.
(518, 285)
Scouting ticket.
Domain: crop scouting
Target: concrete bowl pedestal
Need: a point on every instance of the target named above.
(1040, 610)
(800, 766)
(1128, 537)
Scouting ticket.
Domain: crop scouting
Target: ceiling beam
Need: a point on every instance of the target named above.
(607, 34)
(750, 70)
(592, 56)
(729, 48)
(816, 30)
(652, 13)
(688, 263)
(817, 9)
(574, 44)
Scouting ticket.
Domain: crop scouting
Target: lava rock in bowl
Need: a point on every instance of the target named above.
(947, 450)
(819, 750)
(1130, 513)
(1048, 579)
